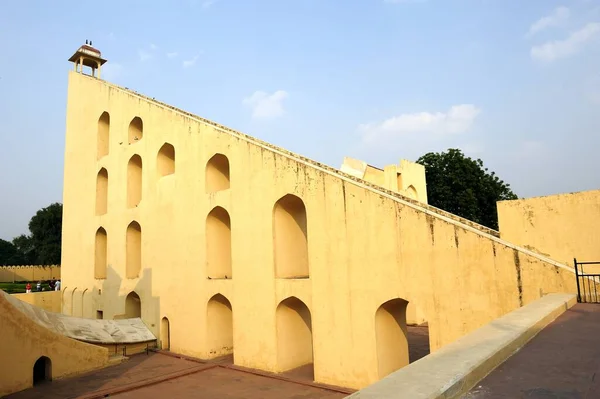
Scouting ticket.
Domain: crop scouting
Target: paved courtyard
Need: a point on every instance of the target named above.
(561, 362)
(163, 374)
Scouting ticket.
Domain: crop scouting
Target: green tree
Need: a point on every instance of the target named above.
(9, 254)
(24, 245)
(45, 240)
(464, 187)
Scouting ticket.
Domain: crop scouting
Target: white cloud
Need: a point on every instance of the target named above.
(144, 55)
(172, 54)
(266, 105)
(457, 119)
(209, 3)
(557, 18)
(191, 62)
(153, 46)
(556, 49)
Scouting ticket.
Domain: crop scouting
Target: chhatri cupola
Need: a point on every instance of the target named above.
(88, 56)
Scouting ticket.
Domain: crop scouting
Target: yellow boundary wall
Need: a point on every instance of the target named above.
(9, 274)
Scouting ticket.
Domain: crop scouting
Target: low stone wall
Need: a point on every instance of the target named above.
(456, 368)
(9, 274)
(50, 301)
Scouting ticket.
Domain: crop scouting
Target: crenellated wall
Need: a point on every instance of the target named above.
(224, 243)
(9, 274)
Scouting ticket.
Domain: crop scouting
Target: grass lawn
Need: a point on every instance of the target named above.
(17, 288)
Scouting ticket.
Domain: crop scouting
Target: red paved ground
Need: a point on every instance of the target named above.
(561, 362)
(163, 375)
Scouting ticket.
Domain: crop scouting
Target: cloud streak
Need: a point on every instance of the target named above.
(573, 44)
(458, 119)
(558, 17)
(266, 106)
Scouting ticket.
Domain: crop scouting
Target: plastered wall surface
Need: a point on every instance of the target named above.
(24, 342)
(363, 246)
(562, 227)
(50, 301)
(9, 274)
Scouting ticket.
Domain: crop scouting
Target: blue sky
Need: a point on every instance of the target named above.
(514, 82)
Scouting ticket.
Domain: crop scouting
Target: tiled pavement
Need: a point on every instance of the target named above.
(561, 362)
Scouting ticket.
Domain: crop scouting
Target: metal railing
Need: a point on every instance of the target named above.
(587, 283)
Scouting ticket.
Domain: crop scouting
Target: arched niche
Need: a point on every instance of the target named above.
(134, 250)
(217, 173)
(103, 138)
(218, 244)
(134, 181)
(220, 326)
(100, 264)
(290, 238)
(133, 305)
(101, 192)
(136, 130)
(294, 334)
(165, 160)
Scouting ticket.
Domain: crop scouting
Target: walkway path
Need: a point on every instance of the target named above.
(561, 362)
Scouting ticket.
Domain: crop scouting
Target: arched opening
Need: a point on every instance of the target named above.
(219, 322)
(217, 173)
(294, 334)
(134, 181)
(411, 192)
(136, 130)
(133, 305)
(290, 238)
(100, 264)
(165, 334)
(134, 250)
(42, 370)
(391, 336)
(218, 244)
(103, 134)
(101, 192)
(165, 161)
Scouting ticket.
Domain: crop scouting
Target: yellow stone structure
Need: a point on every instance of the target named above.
(561, 227)
(225, 244)
(407, 178)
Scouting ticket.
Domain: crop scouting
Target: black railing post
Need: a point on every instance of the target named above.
(577, 277)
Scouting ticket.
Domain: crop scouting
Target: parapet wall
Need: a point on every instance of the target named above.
(9, 274)
(50, 301)
(561, 227)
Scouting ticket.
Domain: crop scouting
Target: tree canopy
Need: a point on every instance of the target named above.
(42, 246)
(464, 187)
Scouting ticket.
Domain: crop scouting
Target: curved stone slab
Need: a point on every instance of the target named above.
(124, 331)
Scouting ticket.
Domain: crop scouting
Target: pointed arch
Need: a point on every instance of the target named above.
(391, 336)
(133, 305)
(134, 250)
(100, 264)
(218, 244)
(290, 238)
(165, 160)
(42, 370)
(411, 192)
(219, 322)
(134, 181)
(101, 192)
(136, 130)
(217, 174)
(294, 334)
(103, 141)
(165, 334)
